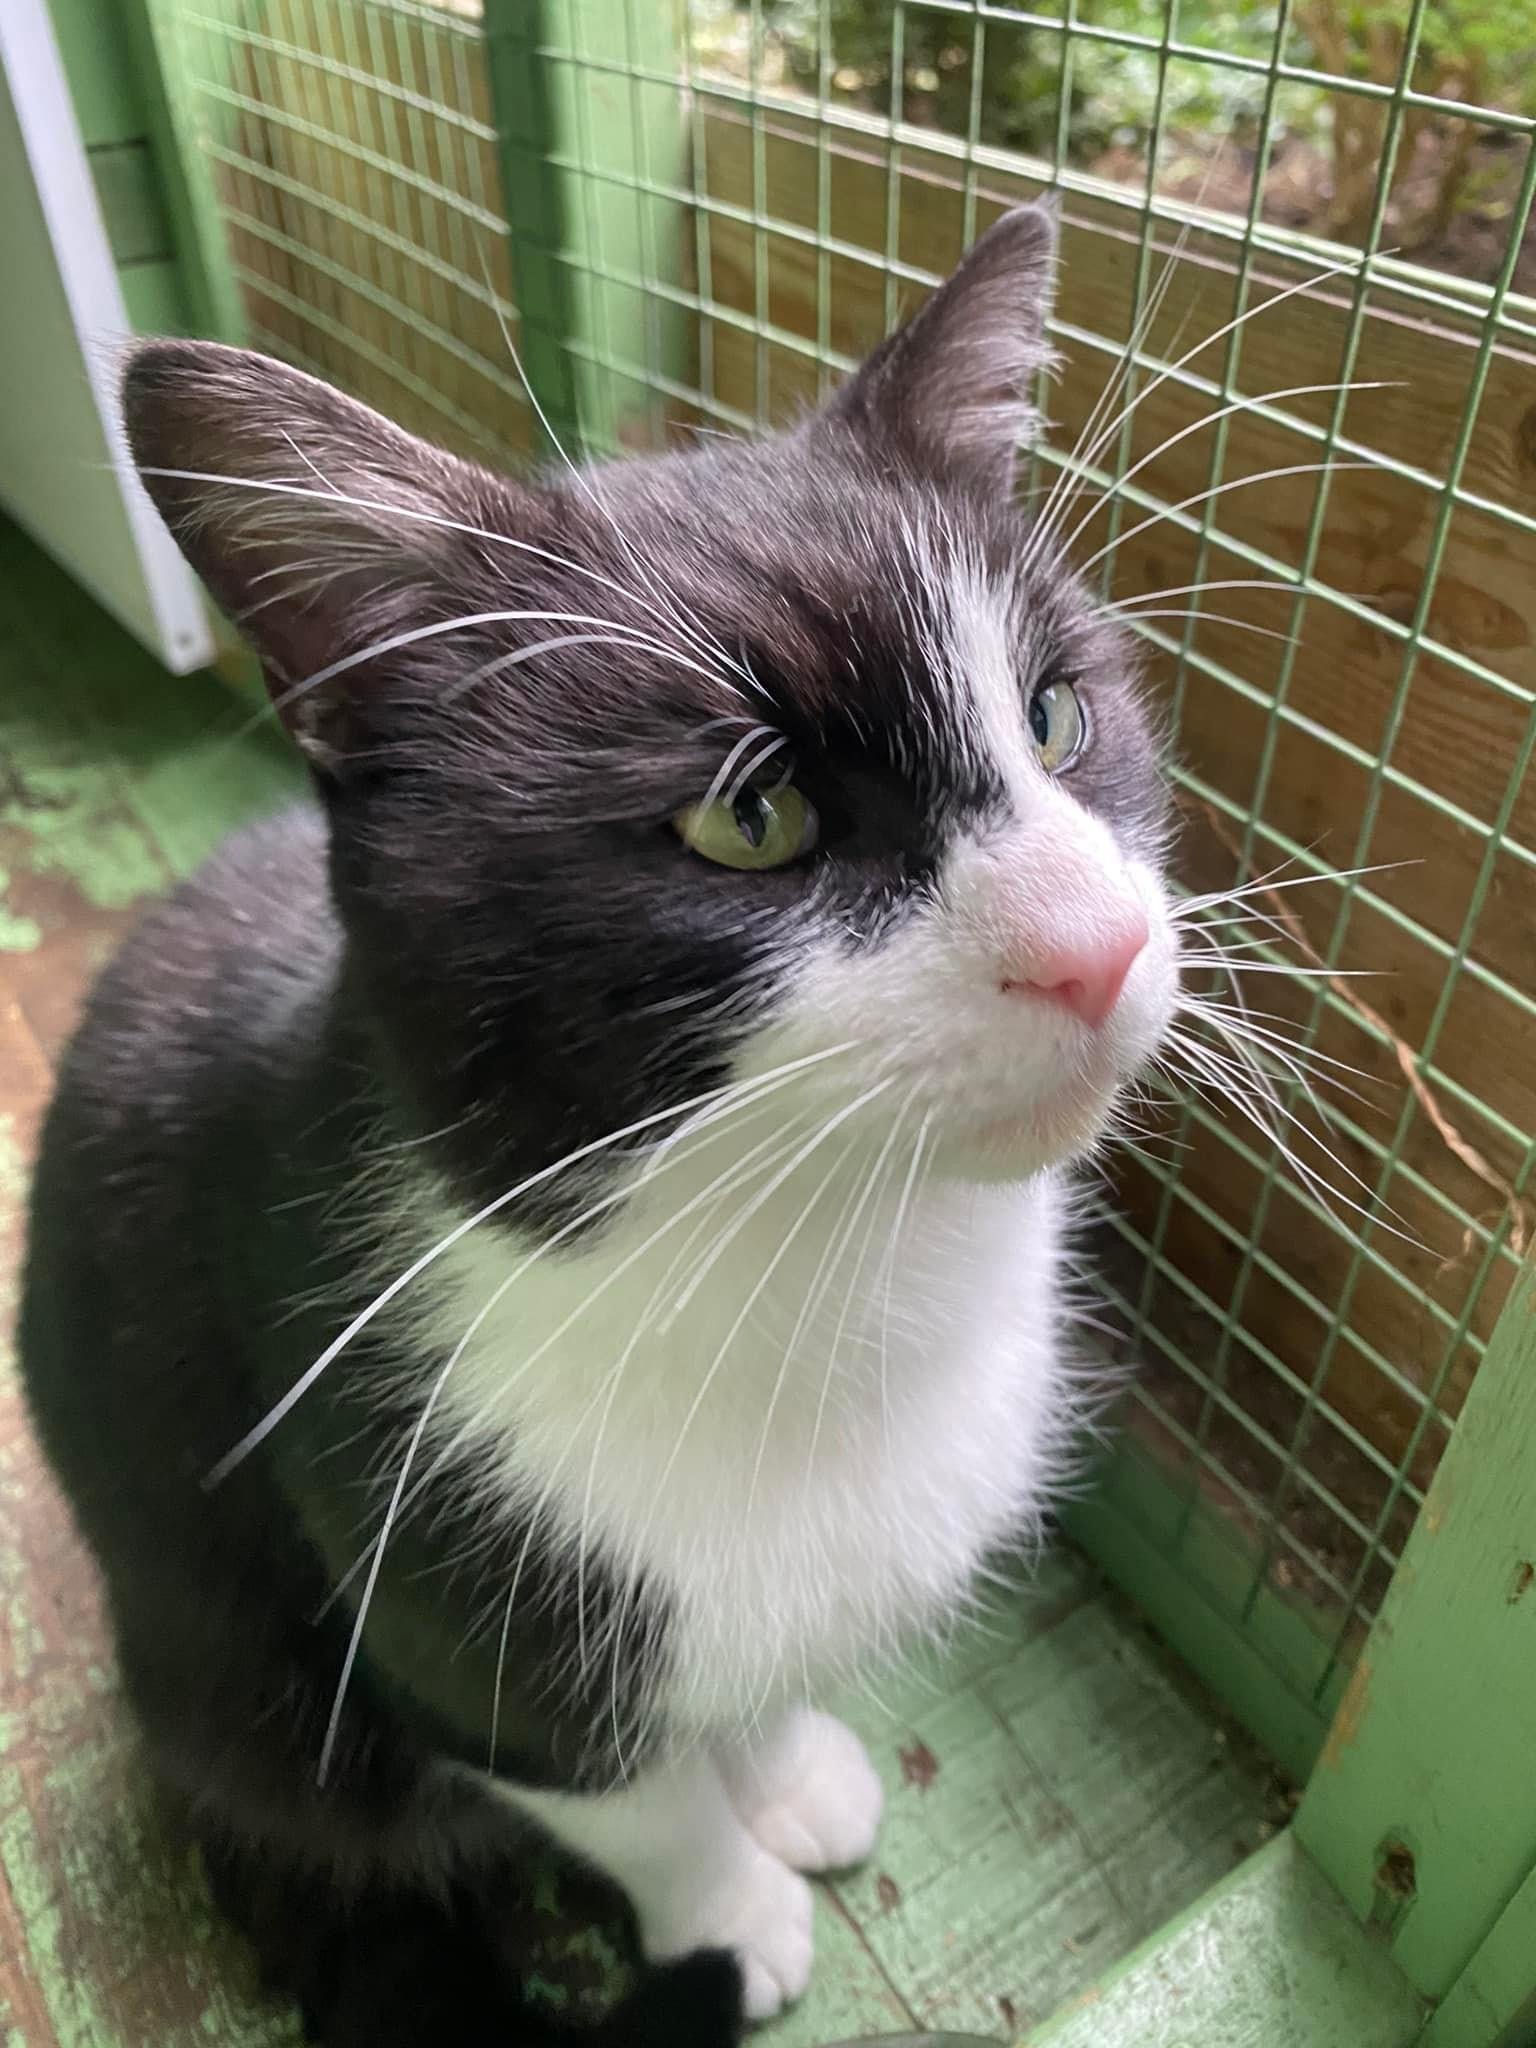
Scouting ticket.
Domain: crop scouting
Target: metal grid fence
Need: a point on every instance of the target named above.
(715, 216)
(356, 170)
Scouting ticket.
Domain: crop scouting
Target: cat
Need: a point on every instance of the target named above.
(543, 1257)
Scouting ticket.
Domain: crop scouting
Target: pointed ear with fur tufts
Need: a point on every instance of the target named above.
(952, 390)
(319, 527)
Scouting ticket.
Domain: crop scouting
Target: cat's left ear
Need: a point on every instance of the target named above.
(953, 389)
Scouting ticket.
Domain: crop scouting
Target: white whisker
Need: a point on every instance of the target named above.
(274, 1415)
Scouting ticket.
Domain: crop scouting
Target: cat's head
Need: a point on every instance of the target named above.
(801, 758)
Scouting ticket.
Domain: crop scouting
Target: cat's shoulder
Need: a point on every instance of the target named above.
(210, 970)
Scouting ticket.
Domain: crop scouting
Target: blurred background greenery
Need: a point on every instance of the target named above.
(1454, 179)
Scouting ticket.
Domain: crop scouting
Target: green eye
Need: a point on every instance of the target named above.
(757, 828)
(1056, 720)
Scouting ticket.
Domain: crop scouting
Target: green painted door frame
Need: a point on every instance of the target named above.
(1422, 1809)
(589, 107)
(158, 202)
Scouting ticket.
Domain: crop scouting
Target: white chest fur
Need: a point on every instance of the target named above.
(804, 1417)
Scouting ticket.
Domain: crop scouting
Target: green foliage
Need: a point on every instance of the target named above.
(1098, 105)
(1473, 50)
(1112, 90)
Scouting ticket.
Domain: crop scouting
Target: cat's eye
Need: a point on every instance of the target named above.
(755, 828)
(1058, 725)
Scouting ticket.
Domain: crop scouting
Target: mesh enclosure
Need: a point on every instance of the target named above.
(714, 216)
(355, 163)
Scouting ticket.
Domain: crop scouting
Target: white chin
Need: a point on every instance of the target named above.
(1047, 1134)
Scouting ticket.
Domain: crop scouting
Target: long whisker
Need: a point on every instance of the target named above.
(1302, 1062)
(1209, 419)
(903, 1203)
(586, 484)
(415, 514)
(438, 627)
(733, 1120)
(1070, 477)
(809, 1302)
(1225, 961)
(1251, 312)
(1213, 619)
(354, 1641)
(874, 1184)
(719, 1191)
(621, 637)
(832, 1124)
(274, 1415)
(1328, 466)
(1127, 605)
(1242, 1085)
(1260, 1024)
(1219, 897)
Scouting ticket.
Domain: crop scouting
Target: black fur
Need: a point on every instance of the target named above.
(477, 945)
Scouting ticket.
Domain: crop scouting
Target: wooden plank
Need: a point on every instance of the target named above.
(1269, 1959)
(1423, 1806)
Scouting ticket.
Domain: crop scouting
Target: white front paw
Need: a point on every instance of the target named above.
(762, 1911)
(815, 1801)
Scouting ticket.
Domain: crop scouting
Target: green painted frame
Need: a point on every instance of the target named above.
(580, 83)
(1401, 1907)
(1422, 1809)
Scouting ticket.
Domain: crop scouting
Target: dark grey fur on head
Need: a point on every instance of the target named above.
(526, 924)
(487, 944)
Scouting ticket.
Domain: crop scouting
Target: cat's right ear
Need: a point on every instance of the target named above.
(953, 390)
(319, 527)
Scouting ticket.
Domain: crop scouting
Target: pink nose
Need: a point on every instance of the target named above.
(1086, 980)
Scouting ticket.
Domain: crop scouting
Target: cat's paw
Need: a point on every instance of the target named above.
(762, 1913)
(814, 1799)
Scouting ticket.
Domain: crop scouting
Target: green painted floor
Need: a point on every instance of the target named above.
(1058, 1790)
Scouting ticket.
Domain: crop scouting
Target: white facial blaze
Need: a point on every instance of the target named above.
(1015, 1084)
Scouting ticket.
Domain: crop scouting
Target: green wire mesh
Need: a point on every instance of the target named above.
(357, 172)
(728, 207)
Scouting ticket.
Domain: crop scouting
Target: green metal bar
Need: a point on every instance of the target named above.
(1458, 295)
(703, 256)
(564, 120)
(259, 288)
(760, 302)
(370, 159)
(1193, 1594)
(377, 295)
(973, 125)
(893, 163)
(538, 204)
(1226, 387)
(824, 68)
(191, 202)
(1454, 1346)
(371, 78)
(1294, 423)
(1425, 1790)
(1492, 2004)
